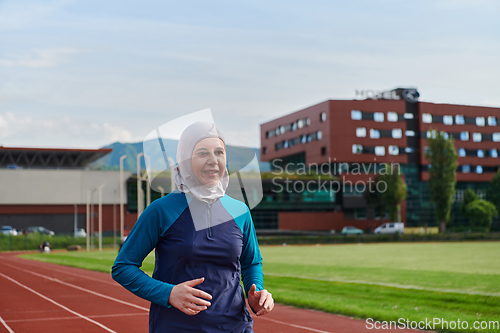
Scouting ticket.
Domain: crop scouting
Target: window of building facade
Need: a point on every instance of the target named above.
(459, 119)
(480, 153)
(496, 137)
(409, 149)
(380, 150)
(322, 116)
(461, 152)
(300, 123)
(480, 121)
(360, 213)
(393, 150)
(303, 138)
(477, 137)
(374, 134)
(392, 116)
(479, 169)
(378, 117)
(493, 153)
(426, 118)
(466, 168)
(323, 151)
(448, 120)
(282, 129)
(308, 121)
(356, 115)
(410, 133)
(492, 121)
(397, 133)
(264, 150)
(357, 149)
(464, 136)
(408, 116)
(361, 132)
(319, 135)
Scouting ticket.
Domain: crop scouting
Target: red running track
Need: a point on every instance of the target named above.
(43, 297)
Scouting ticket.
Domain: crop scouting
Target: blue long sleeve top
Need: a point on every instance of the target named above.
(221, 250)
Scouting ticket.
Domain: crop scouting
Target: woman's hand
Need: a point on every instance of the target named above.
(183, 297)
(260, 301)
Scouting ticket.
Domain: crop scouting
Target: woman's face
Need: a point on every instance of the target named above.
(209, 160)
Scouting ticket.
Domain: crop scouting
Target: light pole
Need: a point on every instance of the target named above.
(90, 190)
(114, 218)
(100, 216)
(172, 174)
(140, 201)
(122, 217)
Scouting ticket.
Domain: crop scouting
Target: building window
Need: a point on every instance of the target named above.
(496, 137)
(459, 119)
(309, 138)
(409, 150)
(285, 144)
(380, 150)
(408, 115)
(269, 134)
(480, 121)
(476, 137)
(294, 126)
(466, 168)
(479, 169)
(446, 135)
(392, 116)
(378, 117)
(319, 135)
(480, 153)
(393, 150)
(374, 134)
(282, 129)
(448, 120)
(494, 153)
(461, 152)
(303, 139)
(277, 131)
(360, 213)
(361, 132)
(464, 136)
(308, 121)
(428, 134)
(323, 151)
(300, 123)
(410, 133)
(322, 117)
(264, 150)
(355, 115)
(426, 118)
(492, 121)
(397, 133)
(357, 149)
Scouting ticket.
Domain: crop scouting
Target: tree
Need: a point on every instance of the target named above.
(493, 190)
(481, 213)
(469, 196)
(395, 191)
(373, 198)
(442, 157)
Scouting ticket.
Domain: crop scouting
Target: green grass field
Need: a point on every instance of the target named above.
(381, 281)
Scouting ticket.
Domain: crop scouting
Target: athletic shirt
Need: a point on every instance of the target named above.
(225, 249)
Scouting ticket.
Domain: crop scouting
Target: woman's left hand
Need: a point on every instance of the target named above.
(260, 301)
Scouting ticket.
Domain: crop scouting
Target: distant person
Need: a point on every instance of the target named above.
(45, 247)
(195, 285)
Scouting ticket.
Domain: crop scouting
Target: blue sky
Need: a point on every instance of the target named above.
(88, 73)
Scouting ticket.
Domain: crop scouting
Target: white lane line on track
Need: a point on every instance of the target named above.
(66, 318)
(58, 304)
(6, 326)
(296, 326)
(81, 288)
(63, 269)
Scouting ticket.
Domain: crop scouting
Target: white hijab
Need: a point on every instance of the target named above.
(185, 178)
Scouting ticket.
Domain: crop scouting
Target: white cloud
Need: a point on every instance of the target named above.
(65, 131)
(41, 58)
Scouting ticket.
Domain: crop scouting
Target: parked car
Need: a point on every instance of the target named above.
(8, 230)
(391, 228)
(80, 233)
(351, 231)
(40, 230)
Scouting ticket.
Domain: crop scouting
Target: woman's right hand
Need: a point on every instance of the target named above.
(183, 297)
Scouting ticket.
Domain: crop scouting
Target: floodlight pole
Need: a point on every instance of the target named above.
(90, 190)
(139, 186)
(122, 215)
(100, 216)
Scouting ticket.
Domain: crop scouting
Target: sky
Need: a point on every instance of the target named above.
(85, 74)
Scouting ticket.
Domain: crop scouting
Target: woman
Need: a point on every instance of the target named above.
(202, 242)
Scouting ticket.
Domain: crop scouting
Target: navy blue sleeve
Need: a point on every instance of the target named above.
(143, 238)
(251, 259)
